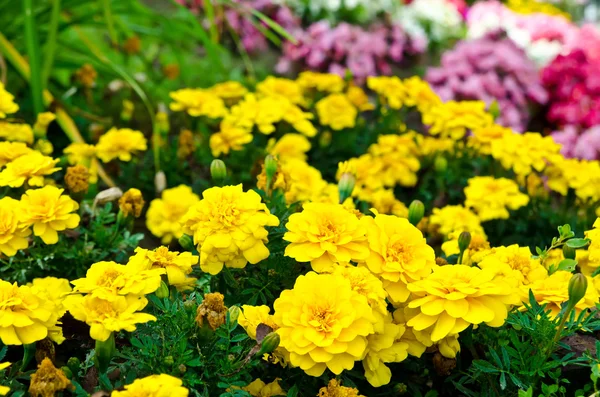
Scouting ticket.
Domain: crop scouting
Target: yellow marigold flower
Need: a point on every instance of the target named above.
(523, 269)
(359, 98)
(212, 310)
(110, 280)
(4, 389)
(491, 198)
(198, 102)
(368, 170)
(478, 244)
(594, 248)
(430, 145)
(554, 291)
(154, 386)
(290, 146)
(337, 112)
(323, 323)
(258, 388)
(384, 347)
(325, 235)
(229, 90)
(7, 102)
(80, 153)
(305, 181)
(481, 138)
(322, 82)
(300, 120)
(44, 146)
(454, 297)
(396, 155)
(399, 254)
(455, 219)
(278, 87)
(25, 316)
(29, 168)
(86, 75)
(229, 138)
(385, 202)
(49, 212)
(335, 389)
(42, 122)
(10, 151)
(16, 132)
(580, 175)
(453, 119)
(13, 234)
(54, 290)
(48, 380)
(391, 90)
(177, 265)
(107, 316)
(120, 143)
(131, 203)
(420, 94)
(524, 153)
(186, 144)
(228, 226)
(164, 215)
(536, 7)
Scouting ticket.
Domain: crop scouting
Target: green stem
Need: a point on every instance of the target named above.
(560, 328)
(105, 352)
(33, 51)
(110, 23)
(28, 354)
(51, 43)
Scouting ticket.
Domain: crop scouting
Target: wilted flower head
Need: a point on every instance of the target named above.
(212, 311)
(77, 178)
(48, 380)
(131, 203)
(335, 389)
(86, 75)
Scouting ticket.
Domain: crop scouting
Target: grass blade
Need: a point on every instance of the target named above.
(33, 51)
(51, 43)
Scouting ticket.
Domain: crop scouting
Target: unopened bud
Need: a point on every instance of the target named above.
(400, 388)
(127, 111)
(67, 371)
(269, 343)
(346, 186)
(218, 171)
(440, 164)
(74, 364)
(108, 195)
(186, 242)
(569, 252)
(325, 139)
(182, 368)
(160, 181)
(416, 210)
(169, 360)
(162, 122)
(494, 109)
(577, 288)
(464, 240)
(234, 313)
(162, 291)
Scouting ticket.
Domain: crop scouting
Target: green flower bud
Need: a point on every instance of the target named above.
(270, 170)
(346, 186)
(182, 368)
(577, 288)
(162, 291)
(400, 388)
(234, 313)
(463, 241)
(269, 343)
(441, 164)
(494, 110)
(105, 350)
(218, 171)
(568, 252)
(67, 371)
(186, 242)
(74, 364)
(169, 360)
(416, 210)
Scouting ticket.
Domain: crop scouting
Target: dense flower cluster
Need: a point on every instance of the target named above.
(585, 146)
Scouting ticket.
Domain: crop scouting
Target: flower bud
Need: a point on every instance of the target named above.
(416, 210)
(346, 186)
(441, 164)
(107, 195)
(494, 109)
(234, 313)
(186, 242)
(127, 111)
(569, 252)
(269, 343)
(160, 181)
(74, 364)
(169, 360)
(131, 203)
(270, 169)
(463, 241)
(182, 368)
(218, 171)
(400, 388)
(325, 139)
(67, 371)
(162, 122)
(162, 291)
(577, 288)
(105, 350)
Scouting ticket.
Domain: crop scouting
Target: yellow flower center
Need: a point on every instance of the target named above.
(328, 230)
(108, 278)
(104, 310)
(226, 214)
(521, 263)
(322, 319)
(399, 252)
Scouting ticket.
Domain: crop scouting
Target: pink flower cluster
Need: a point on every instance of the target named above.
(583, 146)
(573, 83)
(490, 69)
(364, 52)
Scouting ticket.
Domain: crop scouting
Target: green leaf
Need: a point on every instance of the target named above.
(502, 381)
(578, 242)
(274, 25)
(239, 338)
(293, 392)
(526, 393)
(485, 366)
(567, 265)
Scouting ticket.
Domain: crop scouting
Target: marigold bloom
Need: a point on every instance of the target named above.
(322, 82)
(481, 139)
(396, 157)
(7, 103)
(177, 265)
(453, 119)
(120, 143)
(385, 202)
(228, 226)
(335, 389)
(13, 235)
(49, 212)
(164, 215)
(131, 203)
(553, 291)
(229, 138)
(454, 297)
(54, 290)
(290, 146)
(323, 323)
(325, 235)
(80, 153)
(186, 144)
(391, 90)
(24, 315)
(305, 182)
(16, 132)
(455, 219)
(212, 310)
(77, 178)
(110, 280)
(526, 152)
(198, 102)
(42, 122)
(10, 151)
(336, 111)
(229, 90)
(154, 386)
(399, 254)
(594, 248)
(107, 316)
(48, 380)
(29, 168)
(258, 388)
(524, 270)
(491, 198)
(278, 87)
(252, 316)
(420, 94)
(359, 98)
